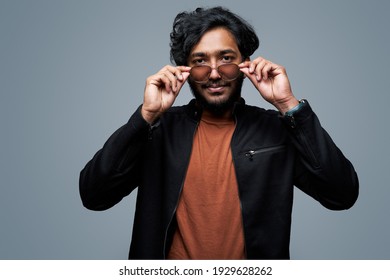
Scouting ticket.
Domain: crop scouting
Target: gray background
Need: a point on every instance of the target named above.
(72, 72)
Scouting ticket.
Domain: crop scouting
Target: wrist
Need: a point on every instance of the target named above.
(149, 117)
(295, 109)
(297, 114)
(286, 106)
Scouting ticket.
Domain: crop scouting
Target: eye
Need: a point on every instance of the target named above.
(198, 61)
(227, 58)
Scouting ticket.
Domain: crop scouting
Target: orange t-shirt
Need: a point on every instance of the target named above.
(209, 214)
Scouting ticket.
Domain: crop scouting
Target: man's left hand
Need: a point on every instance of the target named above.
(271, 81)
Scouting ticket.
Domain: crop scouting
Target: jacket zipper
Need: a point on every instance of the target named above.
(238, 187)
(249, 154)
(180, 191)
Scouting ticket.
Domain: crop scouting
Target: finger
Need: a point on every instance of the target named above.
(177, 71)
(166, 83)
(258, 69)
(170, 72)
(177, 79)
(244, 64)
(244, 67)
(181, 73)
(172, 79)
(158, 80)
(175, 75)
(180, 84)
(161, 81)
(252, 76)
(254, 63)
(266, 70)
(184, 68)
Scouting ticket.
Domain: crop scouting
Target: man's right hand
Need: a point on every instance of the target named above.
(161, 91)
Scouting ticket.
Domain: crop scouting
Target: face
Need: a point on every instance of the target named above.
(216, 47)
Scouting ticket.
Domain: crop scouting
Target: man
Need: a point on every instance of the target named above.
(215, 177)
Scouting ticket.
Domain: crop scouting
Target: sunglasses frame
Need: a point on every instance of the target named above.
(211, 69)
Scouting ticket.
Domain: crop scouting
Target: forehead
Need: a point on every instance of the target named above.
(215, 40)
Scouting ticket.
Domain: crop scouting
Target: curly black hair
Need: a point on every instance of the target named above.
(189, 27)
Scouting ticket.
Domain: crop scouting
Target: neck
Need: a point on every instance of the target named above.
(223, 116)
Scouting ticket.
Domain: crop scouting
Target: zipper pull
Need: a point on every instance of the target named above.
(250, 154)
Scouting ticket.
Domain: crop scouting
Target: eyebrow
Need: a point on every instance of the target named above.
(222, 52)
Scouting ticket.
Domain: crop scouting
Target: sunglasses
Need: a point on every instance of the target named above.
(228, 72)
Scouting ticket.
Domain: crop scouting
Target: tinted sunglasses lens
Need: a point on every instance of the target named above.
(200, 73)
(229, 72)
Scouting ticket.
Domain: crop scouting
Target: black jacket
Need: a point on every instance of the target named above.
(271, 153)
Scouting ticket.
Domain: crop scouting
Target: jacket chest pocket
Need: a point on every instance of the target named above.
(252, 153)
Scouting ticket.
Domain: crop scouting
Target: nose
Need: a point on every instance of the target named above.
(214, 75)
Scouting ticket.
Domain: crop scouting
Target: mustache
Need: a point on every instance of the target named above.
(215, 84)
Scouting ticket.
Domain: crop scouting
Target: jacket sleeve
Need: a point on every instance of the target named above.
(113, 172)
(322, 171)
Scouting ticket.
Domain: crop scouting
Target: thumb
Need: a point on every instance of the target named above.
(180, 83)
(251, 76)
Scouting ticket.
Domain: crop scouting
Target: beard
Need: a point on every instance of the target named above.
(217, 107)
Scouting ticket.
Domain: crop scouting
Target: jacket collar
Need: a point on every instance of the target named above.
(194, 111)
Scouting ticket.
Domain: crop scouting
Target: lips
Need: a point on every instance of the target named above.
(215, 87)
